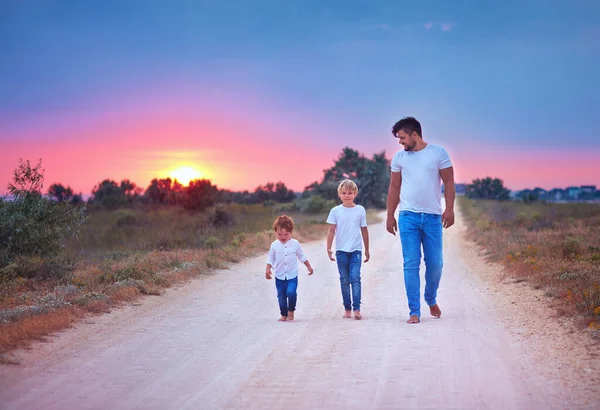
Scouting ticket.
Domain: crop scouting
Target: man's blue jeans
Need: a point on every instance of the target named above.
(286, 294)
(349, 267)
(416, 230)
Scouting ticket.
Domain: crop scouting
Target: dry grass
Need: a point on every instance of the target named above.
(117, 262)
(555, 247)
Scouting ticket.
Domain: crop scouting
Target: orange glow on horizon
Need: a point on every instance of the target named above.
(184, 174)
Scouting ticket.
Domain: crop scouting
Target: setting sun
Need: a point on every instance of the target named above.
(185, 174)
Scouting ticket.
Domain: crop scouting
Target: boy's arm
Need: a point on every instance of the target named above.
(365, 235)
(310, 269)
(270, 262)
(300, 254)
(330, 235)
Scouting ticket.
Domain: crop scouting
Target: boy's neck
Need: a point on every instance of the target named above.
(348, 205)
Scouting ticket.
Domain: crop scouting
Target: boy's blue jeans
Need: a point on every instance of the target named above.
(286, 294)
(418, 229)
(349, 267)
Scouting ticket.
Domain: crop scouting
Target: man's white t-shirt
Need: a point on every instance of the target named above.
(348, 221)
(421, 182)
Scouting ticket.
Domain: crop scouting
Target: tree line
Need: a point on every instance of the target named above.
(370, 174)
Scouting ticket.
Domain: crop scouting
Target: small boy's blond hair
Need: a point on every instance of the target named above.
(348, 184)
(284, 222)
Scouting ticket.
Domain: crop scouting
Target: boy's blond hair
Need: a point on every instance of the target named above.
(348, 184)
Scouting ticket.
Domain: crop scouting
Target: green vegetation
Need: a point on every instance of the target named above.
(556, 247)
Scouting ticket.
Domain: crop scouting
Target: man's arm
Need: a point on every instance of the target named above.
(330, 235)
(393, 200)
(447, 175)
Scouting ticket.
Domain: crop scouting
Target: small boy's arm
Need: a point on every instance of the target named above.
(304, 259)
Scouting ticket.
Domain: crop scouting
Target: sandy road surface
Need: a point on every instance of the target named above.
(216, 343)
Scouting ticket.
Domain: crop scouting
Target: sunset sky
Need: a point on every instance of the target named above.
(246, 92)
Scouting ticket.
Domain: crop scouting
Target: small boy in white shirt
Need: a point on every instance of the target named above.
(348, 223)
(283, 256)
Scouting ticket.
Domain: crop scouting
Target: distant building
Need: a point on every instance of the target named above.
(590, 189)
(573, 192)
(557, 194)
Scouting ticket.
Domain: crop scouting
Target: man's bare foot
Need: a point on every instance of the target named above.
(413, 319)
(290, 315)
(283, 318)
(435, 311)
(357, 315)
(348, 314)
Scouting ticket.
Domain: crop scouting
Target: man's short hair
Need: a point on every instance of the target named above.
(408, 125)
(348, 184)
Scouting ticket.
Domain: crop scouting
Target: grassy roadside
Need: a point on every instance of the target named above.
(555, 247)
(123, 255)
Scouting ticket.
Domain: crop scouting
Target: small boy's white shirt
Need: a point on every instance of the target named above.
(348, 221)
(283, 257)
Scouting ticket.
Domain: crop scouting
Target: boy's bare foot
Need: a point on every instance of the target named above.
(413, 319)
(290, 316)
(435, 311)
(283, 318)
(357, 315)
(348, 314)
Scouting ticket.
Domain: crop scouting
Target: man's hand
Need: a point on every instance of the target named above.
(367, 256)
(391, 225)
(330, 254)
(268, 274)
(310, 271)
(448, 218)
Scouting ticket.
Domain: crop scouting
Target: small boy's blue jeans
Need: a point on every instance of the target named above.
(416, 230)
(286, 294)
(349, 267)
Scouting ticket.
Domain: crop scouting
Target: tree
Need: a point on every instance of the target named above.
(200, 194)
(109, 194)
(274, 192)
(487, 188)
(60, 192)
(32, 226)
(130, 190)
(371, 175)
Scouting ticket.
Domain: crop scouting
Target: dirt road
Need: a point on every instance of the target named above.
(216, 343)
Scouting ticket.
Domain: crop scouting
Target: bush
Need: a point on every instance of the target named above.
(221, 217)
(125, 217)
(31, 226)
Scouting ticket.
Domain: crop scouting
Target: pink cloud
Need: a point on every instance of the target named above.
(447, 26)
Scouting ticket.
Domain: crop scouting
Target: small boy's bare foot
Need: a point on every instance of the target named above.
(283, 318)
(290, 316)
(348, 314)
(435, 311)
(413, 319)
(357, 315)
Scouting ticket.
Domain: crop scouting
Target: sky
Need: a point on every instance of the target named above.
(247, 92)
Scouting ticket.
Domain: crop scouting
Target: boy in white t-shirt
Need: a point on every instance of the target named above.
(348, 223)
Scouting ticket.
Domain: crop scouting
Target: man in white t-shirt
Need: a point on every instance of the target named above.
(416, 176)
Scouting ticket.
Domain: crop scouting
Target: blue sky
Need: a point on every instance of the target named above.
(483, 77)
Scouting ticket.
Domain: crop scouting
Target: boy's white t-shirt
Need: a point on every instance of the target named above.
(421, 182)
(348, 221)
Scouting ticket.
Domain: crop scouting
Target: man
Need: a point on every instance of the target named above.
(416, 175)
